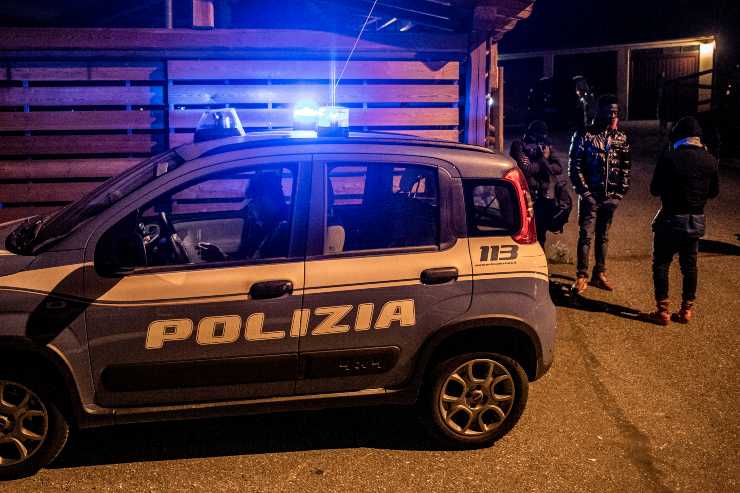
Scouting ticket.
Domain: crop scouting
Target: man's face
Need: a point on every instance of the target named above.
(610, 114)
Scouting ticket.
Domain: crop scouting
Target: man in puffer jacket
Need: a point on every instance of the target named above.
(600, 172)
(685, 177)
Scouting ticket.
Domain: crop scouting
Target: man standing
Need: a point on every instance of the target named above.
(600, 171)
(685, 177)
(544, 173)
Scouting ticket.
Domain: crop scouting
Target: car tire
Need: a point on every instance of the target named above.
(473, 399)
(33, 430)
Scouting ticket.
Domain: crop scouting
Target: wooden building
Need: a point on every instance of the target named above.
(80, 105)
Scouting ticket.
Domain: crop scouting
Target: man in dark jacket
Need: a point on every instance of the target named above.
(600, 171)
(544, 173)
(685, 177)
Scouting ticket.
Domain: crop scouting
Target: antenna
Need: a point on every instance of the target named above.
(351, 52)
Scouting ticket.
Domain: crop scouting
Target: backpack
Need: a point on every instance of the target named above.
(562, 206)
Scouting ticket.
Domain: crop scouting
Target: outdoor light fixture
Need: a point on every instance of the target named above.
(217, 124)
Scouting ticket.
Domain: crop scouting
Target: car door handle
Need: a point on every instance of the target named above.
(439, 275)
(270, 289)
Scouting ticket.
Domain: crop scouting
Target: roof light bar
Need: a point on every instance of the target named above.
(217, 124)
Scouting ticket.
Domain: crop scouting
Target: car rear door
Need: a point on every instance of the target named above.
(386, 267)
(213, 328)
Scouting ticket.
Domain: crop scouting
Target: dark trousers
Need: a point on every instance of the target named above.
(594, 220)
(543, 211)
(665, 246)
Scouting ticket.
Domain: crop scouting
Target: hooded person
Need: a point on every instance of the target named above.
(533, 153)
(685, 177)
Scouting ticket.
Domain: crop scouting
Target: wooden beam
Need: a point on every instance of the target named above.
(63, 169)
(310, 69)
(203, 14)
(320, 93)
(81, 96)
(475, 96)
(80, 120)
(293, 41)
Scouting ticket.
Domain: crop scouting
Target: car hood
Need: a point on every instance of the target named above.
(11, 263)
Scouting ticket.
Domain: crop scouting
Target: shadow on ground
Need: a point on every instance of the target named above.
(562, 295)
(719, 247)
(395, 428)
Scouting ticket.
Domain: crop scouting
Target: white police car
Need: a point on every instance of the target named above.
(276, 271)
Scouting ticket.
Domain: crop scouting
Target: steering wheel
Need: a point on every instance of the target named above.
(179, 254)
(149, 233)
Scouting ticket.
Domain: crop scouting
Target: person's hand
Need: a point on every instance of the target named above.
(546, 152)
(589, 199)
(210, 252)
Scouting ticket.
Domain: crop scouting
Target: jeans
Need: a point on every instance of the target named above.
(594, 219)
(665, 246)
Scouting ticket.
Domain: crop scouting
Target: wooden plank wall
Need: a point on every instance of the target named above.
(66, 126)
(401, 96)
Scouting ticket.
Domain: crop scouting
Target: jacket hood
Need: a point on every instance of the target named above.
(687, 126)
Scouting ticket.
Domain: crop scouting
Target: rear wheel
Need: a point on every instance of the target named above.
(32, 429)
(473, 399)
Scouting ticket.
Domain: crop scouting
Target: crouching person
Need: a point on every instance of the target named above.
(685, 178)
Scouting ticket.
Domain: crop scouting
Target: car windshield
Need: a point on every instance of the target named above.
(62, 222)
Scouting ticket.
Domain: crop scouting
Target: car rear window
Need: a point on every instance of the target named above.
(492, 208)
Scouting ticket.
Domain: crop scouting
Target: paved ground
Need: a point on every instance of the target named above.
(627, 406)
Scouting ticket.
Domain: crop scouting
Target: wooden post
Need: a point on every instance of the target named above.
(203, 14)
(500, 111)
(623, 81)
(475, 96)
(168, 14)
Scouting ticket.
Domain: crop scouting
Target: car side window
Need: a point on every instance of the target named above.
(491, 208)
(239, 215)
(380, 206)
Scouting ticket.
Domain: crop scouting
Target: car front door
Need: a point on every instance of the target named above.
(195, 291)
(386, 267)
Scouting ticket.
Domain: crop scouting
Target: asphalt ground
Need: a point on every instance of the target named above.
(627, 406)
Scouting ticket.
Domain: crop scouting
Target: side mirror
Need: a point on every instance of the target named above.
(118, 256)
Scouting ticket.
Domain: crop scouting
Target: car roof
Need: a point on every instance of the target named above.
(472, 161)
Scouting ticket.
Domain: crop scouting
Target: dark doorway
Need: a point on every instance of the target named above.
(599, 69)
(520, 77)
(647, 68)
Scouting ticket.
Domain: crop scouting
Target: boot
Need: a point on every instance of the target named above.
(602, 282)
(683, 316)
(662, 314)
(580, 285)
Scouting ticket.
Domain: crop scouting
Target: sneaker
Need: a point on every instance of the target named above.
(600, 281)
(683, 316)
(580, 285)
(661, 315)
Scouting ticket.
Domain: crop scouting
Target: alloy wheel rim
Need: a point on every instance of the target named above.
(24, 423)
(477, 397)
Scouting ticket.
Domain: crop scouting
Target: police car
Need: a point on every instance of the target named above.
(276, 271)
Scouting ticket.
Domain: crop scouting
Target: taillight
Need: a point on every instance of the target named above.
(527, 233)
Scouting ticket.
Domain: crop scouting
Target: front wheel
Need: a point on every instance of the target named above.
(32, 429)
(473, 399)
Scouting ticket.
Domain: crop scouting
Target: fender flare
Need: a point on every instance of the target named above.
(9, 344)
(436, 340)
